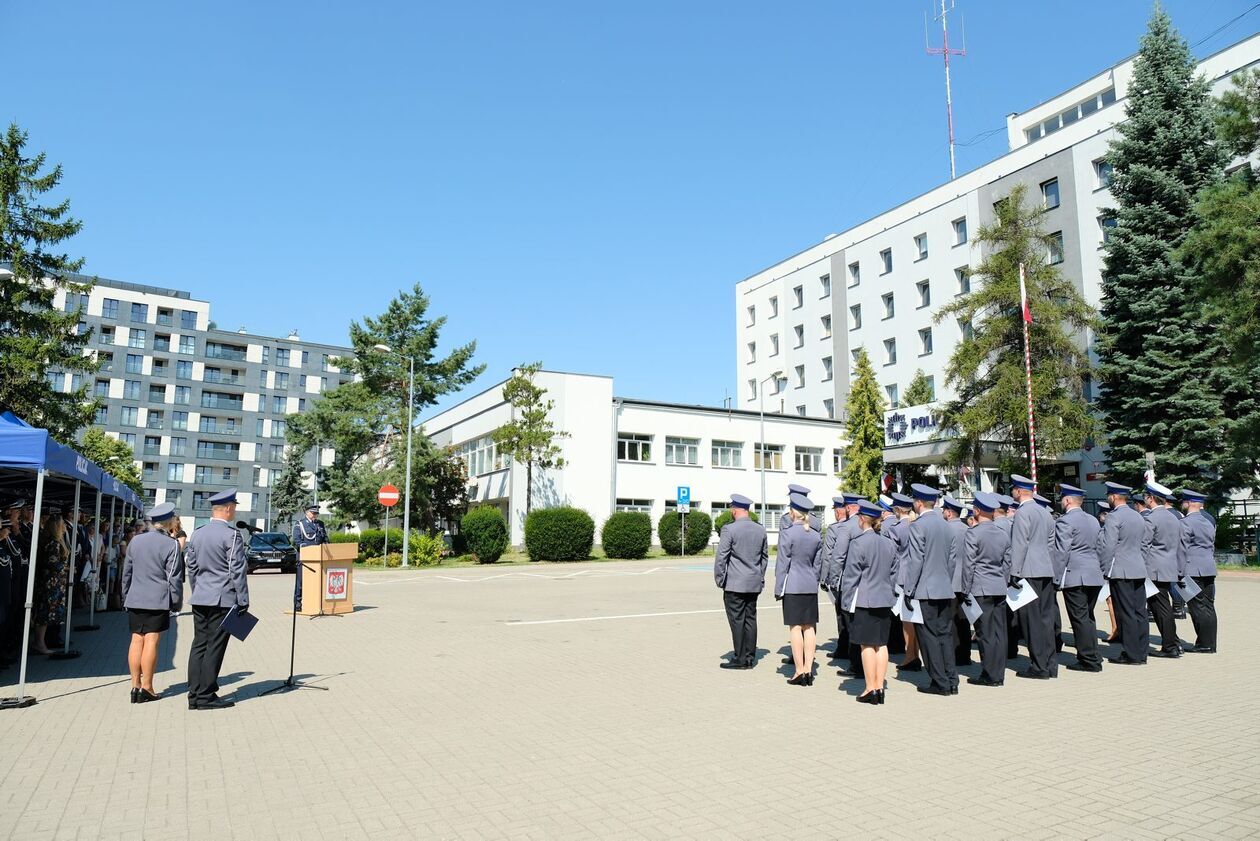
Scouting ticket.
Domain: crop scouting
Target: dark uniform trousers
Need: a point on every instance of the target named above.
(842, 630)
(1128, 597)
(1013, 634)
(741, 613)
(853, 651)
(991, 631)
(208, 647)
(962, 634)
(1202, 609)
(1079, 602)
(1036, 623)
(936, 642)
(1162, 610)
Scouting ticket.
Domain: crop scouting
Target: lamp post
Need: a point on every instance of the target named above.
(761, 404)
(411, 399)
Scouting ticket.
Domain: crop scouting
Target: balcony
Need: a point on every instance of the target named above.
(223, 379)
(210, 401)
(217, 479)
(224, 352)
(153, 451)
(165, 320)
(219, 429)
(162, 344)
(219, 455)
(155, 423)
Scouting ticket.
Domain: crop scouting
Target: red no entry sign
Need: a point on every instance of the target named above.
(387, 496)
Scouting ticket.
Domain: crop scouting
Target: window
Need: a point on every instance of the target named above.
(800, 410)
(752, 315)
(302, 381)
(109, 308)
(890, 305)
(301, 404)
(128, 438)
(808, 459)
(262, 378)
(282, 357)
(101, 389)
(824, 286)
(161, 341)
(1108, 96)
(130, 416)
(752, 389)
(165, 316)
(306, 357)
(962, 276)
(920, 245)
(826, 326)
(183, 370)
(827, 369)
(800, 376)
(1054, 255)
(155, 420)
(260, 425)
(728, 454)
(798, 297)
(885, 259)
(774, 344)
(835, 461)
(799, 332)
(107, 362)
(183, 395)
(891, 391)
(774, 306)
(179, 446)
(276, 453)
(752, 354)
(106, 335)
(56, 380)
(139, 313)
(931, 384)
(157, 394)
(631, 447)
(924, 288)
(925, 341)
(323, 384)
(131, 389)
(159, 368)
(855, 274)
(682, 451)
(266, 355)
(960, 231)
(136, 338)
(279, 404)
(102, 415)
(1103, 172)
(1106, 226)
(890, 351)
(855, 317)
(174, 472)
(179, 420)
(150, 471)
(636, 506)
(188, 345)
(772, 458)
(967, 329)
(278, 428)
(187, 320)
(1050, 194)
(829, 408)
(771, 515)
(282, 379)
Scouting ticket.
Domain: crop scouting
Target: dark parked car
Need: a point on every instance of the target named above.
(271, 550)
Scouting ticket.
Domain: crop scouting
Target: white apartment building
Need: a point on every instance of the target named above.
(625, 454)
(879, 284)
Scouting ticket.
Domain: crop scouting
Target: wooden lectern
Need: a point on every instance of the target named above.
(328, 578)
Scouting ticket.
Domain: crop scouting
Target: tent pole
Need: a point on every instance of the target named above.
(94, 539)
(22, 699)
(74, 553)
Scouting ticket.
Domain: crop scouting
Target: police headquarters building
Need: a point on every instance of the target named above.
(202, 408)
(879, 284)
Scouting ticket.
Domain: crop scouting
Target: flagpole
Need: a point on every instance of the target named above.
(1026, 317)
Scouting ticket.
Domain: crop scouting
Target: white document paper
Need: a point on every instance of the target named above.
(853, 601)
(1151, 589)
(1104, 593)
(912, 613)
(898, 604)
(1189, 591)
(1020, 596)
(971, 609)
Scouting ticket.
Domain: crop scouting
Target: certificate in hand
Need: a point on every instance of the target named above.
(239, 623)
(971, 609)
(1021, 595)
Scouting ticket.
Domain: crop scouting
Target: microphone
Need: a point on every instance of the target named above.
(241, 524)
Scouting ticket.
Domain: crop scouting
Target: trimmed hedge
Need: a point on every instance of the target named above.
(627, 534)
(559, 534)
(486, 533)
(725, 518)
(699, 530)
(424, 549)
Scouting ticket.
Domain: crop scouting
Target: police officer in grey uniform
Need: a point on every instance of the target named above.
(1196, 558)
(986, 569)
(308, 531)
(1160, 544)
(866, 589)
(928, 554)
(1032, 535)
(797, 571)
(739, 570)
(215, 559)
(1120, 554)
(1079, 574)
(952, 511)
(786, 519)
(832, 560)
(152, 586)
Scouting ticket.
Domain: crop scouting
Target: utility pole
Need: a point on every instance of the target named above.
(945, 51)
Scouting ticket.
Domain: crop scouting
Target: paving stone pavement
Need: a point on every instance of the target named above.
(449, 715)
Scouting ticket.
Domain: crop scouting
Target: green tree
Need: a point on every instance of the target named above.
(918, 393)
(34, 335)
(1163, 384)
(289, 496)
(117, 459)
(530, 437)
(987, 369)
(864, 409)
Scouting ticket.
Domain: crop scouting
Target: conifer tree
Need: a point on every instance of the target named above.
(864, 427)
(919, 391)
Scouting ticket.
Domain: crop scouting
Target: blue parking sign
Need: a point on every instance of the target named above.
(684, 495)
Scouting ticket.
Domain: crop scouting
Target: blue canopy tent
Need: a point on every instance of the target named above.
(57, 468)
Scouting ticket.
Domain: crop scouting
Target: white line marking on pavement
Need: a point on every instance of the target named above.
(602, 618)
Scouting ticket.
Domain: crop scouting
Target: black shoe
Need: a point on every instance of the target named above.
(135, 695)
(1201, 649)
(847, 672)
(1082, 667)
(144, 696)
(959, 663)
(732, 664)
(871, 697)
(1030, 674)
(1179, 614)
(837, 655)
(800, 680)
(983, 681)
(216, 704)
(1169, 653)
(933, 689)
(788, 661)
(953, 690)
(912, 666)
(1125, 660)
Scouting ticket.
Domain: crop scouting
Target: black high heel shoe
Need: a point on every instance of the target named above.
(135, 695)
(800, 680)
(880, 693)
(871, 697)
(810, 678)
(144, 696)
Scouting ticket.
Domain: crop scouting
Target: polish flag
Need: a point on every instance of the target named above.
(1023, 297)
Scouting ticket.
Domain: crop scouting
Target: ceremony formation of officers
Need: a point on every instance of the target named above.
(930, 572)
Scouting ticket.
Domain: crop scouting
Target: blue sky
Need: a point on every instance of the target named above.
(579, 183)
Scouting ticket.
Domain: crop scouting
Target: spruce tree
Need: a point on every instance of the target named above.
(289, 496)
(919, 391)
(34, 335)
(864, 427)
(1161, 384)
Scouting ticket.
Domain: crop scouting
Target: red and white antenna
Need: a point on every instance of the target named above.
(945, 51)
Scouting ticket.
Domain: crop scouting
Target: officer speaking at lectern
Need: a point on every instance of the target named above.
(308, 531)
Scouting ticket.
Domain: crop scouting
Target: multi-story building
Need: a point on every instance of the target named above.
(880, 284)
(624, 454)
(203, 409)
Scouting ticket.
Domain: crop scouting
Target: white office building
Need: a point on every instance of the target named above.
(880, 284)
(625, 454)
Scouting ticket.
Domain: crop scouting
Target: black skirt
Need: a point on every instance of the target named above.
(870, 626)
(800, 609)
(144, 621)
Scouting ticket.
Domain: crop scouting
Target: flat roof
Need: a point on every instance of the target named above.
(722, 410)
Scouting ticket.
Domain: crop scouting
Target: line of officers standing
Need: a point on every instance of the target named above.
(930, 558)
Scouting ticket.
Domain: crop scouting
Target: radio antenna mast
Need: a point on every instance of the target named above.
(945, 51)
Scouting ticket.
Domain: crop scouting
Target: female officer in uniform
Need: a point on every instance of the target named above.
(152, 586)
(866, 590)
(796, 571)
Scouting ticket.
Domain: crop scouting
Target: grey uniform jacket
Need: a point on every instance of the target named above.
(797, 562)
(153, 575)
(1076, 550)
(1120, 544)
(928, 557)
(870, 570)
(1160, 543)
(1032, 535)
(1196, 553)
(893, 530)
(215, 559)
(958, 530)
(835, 545)
(987, 564)
(306, 533)
(742, 557)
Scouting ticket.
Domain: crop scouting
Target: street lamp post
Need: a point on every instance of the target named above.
(761, 404)
(411, 422)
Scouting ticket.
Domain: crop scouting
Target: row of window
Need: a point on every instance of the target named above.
(1065, 118)
(481, 456)
(215, 450)
(685, 452)
(798, 299)
(156, 418)
(139, 313)
(770, 514)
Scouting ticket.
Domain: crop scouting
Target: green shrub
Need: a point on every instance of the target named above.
(426, 549)
(725, 517)
(627, 534)
(486, 531)
(559, 534)
(699, 529)
(372, 546)
(394, 560)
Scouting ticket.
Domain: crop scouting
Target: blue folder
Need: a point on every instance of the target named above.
(238, 623)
